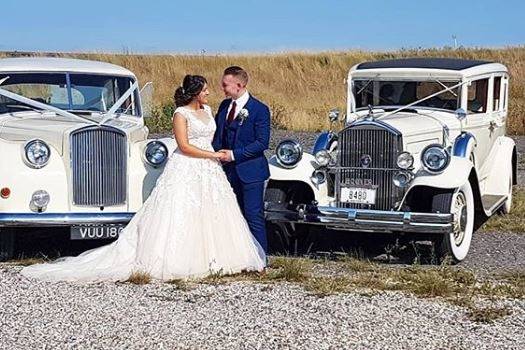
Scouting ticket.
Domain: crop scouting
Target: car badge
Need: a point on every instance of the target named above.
(366, 160)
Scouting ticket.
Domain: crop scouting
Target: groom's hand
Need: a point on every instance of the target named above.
(227, 155)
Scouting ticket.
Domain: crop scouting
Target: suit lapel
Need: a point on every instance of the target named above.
(221, 120)
(236, 122)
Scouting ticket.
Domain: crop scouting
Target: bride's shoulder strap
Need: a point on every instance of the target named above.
(181, 111)
(208, 109)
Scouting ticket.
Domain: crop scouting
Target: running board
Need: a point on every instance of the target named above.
(492, 202)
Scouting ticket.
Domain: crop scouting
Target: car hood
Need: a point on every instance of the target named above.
(53, 129)
(422, 123)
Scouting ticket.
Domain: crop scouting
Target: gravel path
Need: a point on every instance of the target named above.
(235, 316)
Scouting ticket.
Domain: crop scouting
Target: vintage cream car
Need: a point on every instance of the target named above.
(73, 148)
(422, 155)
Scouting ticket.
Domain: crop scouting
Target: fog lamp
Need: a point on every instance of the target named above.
(318, 177)
(40, 199)
(402, 178)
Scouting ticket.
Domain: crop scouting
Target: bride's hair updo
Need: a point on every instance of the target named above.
(192, 85)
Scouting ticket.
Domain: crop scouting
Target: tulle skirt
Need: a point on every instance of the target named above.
(189, 227)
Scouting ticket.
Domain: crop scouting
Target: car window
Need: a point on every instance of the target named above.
(477, 96)
(496, 106)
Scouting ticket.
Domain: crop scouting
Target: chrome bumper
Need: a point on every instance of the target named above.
(61, 219)
(362, 220)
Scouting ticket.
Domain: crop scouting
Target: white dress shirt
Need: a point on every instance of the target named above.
(240, 103)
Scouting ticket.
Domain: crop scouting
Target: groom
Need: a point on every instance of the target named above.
(243, 133)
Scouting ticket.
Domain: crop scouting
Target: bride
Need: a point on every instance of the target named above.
(189, 227)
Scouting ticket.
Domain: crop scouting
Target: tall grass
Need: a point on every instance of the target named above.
(299, 87)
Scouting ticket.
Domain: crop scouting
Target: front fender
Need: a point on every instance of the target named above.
(301, 172)
(455, 175)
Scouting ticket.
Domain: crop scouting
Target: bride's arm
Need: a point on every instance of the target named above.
(180, 132)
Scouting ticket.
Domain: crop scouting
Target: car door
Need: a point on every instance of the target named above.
(479, 119)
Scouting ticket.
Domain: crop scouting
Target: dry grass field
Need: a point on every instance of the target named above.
(299, 87)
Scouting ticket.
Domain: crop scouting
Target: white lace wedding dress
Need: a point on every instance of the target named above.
(189, 227)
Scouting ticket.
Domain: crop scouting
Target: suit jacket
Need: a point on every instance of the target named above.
(247, 141)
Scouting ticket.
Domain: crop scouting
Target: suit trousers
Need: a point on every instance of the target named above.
(250, 197)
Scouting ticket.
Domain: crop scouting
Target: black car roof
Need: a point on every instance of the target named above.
(429, 63)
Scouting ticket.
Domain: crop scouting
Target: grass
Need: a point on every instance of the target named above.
(300, 88)
(512, 222)
(139, 277)
(451, 284)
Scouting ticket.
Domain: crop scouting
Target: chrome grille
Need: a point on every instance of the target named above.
(382, 146)
(98, 159)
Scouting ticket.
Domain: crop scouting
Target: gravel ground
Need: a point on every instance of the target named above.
(235, 316)
(246, 315)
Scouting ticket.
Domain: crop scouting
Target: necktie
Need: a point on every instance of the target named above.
(232, 112)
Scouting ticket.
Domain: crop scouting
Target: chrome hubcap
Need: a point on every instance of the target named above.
(459, 209)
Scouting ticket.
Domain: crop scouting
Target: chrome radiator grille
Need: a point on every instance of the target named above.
(382, 147)
(98, 159)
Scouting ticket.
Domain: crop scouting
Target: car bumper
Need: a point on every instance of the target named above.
(363, 220)
(61, 219)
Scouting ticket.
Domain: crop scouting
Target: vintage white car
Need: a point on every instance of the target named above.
(422, 155)
(73, 148)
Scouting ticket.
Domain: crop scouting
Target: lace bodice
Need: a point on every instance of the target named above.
(200, 131)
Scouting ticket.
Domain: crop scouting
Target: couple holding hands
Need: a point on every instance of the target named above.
(205, 214)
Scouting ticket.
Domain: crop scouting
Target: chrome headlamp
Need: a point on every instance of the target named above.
(39, 200)
(323, 157)
(36, 153)
(435, 158)
(288, 153)
(405, 160)
(156, 153)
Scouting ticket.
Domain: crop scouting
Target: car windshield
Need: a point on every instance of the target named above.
(402, 93)
(82, 93)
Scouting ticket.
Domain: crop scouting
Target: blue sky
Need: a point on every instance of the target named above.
(251, 26)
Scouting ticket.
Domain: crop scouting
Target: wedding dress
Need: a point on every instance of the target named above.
(189, 227)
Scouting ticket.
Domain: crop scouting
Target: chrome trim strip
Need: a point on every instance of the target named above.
(61, 219)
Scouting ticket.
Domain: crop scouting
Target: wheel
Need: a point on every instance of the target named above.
(460, 203)
(507, 206)
(7, 245)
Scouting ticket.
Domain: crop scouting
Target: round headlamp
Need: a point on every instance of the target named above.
(323, 157)
(156, 153)
(37, 153)
(405, 160)
(289, 153)
(435, 158)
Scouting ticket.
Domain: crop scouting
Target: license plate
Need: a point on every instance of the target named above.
(96, 231)
(358, 195)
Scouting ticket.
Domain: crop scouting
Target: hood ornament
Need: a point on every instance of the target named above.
(370, 115)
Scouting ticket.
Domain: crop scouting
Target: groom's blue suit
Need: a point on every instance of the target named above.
(249, 170)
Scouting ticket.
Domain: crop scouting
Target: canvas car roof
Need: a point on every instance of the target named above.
(423, 67)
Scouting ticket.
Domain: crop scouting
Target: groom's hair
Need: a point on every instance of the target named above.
(237, 72)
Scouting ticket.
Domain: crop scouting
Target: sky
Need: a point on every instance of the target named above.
(250, 26)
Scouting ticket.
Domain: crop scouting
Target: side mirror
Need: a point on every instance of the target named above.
(333, 115)
(460, 114)
(146, 98)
